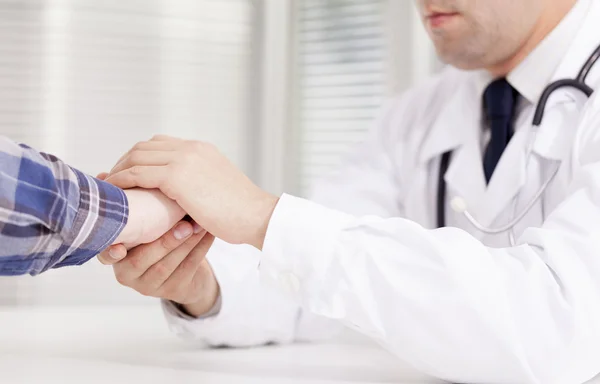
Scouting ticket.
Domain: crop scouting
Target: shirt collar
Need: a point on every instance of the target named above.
(534, 73)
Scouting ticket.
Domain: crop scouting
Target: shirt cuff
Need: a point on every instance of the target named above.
(300, 243)
(102, 215)
(179, 311)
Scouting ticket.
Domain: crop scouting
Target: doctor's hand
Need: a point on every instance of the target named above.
(173, 267)
(216, 194)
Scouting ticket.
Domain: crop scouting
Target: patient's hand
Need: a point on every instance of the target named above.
(151, 214)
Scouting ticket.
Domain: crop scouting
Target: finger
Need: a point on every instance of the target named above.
(125, 155)
(113, 254)
(158, 273)
(148, 177)
(185, 272)
(102, 176)
(149, 146)
(165, 138)
(152, 158)
(141, 258)
(158, 145)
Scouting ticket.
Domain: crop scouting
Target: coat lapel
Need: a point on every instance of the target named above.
(457, 128)
(552, 140)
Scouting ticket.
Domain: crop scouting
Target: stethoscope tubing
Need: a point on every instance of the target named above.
(459, 205)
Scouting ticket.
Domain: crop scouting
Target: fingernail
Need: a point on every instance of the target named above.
(182, 231)
(113, 254)
(197, 228)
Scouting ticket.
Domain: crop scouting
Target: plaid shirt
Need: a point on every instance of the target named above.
(52, 215)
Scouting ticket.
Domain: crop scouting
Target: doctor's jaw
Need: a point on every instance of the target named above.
(494, 34)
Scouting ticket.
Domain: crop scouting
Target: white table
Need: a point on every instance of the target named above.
(133, 345)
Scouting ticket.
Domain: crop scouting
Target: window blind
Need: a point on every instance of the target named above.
(86, 79)
(341, 79)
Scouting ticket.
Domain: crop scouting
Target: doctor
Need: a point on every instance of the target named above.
(459, 303)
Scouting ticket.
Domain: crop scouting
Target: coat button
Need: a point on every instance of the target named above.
(290, 282)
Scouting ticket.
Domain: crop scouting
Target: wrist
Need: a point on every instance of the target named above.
(132, 229)
(201, 309)
(151, 214)
(209, 296)
(265, 207)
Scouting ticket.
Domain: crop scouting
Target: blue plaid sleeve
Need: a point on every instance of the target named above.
(52, 215)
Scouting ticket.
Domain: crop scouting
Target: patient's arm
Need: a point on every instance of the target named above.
(52, 215)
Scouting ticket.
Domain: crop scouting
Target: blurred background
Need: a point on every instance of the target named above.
(283, 87)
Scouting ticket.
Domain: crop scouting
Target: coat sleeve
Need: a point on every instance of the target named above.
(444, 302)
(254, 313)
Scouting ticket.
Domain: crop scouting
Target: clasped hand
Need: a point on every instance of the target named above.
(219, 197)
(215, 193)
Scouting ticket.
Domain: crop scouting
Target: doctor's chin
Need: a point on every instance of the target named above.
(300, 191)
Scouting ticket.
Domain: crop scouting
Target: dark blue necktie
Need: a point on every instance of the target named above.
(499, 102)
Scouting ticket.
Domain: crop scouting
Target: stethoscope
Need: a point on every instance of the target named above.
(459, 205)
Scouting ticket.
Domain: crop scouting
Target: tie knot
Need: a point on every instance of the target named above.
(499, 99)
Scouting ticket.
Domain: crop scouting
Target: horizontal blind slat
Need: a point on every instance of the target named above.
(341, 61)
(86, 79)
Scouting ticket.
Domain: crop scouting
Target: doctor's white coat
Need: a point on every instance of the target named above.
(454, 302)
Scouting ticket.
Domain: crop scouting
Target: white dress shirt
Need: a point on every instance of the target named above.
(534, 73)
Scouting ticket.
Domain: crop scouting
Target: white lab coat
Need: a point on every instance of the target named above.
(454, 302)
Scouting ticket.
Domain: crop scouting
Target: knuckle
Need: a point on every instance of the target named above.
(135, 259)
(136, 170)
(121, 277)
(159, 136)
(190, 263)
(168, 242)
(135, 156)
(159, 272)
(136, 262)
(146, 290)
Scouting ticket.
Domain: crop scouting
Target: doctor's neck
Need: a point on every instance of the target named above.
(551, 17)
(496, 35)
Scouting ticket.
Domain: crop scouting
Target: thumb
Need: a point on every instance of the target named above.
(102, 176)
(113, 254)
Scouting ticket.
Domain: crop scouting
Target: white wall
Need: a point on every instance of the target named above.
(86, 79)
(412, 55)
(349, 55)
